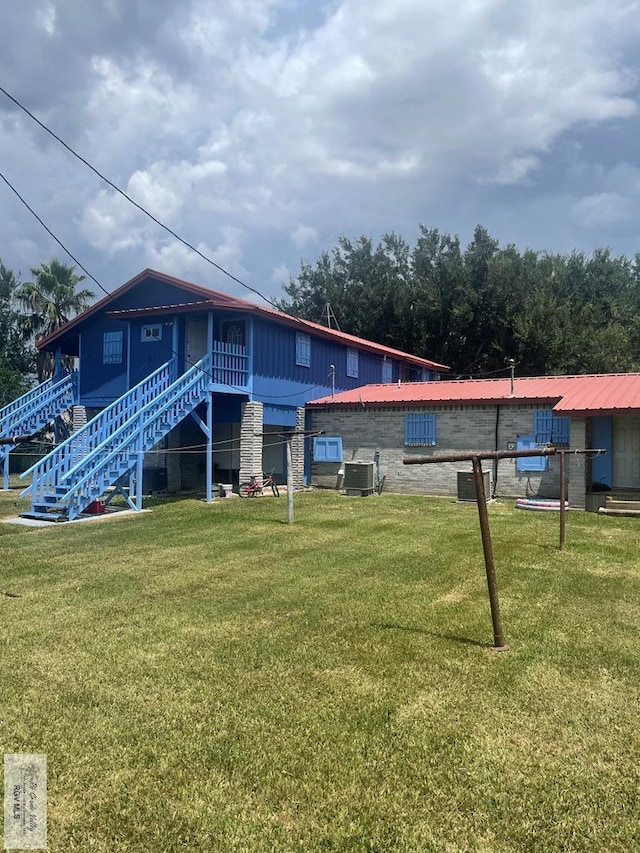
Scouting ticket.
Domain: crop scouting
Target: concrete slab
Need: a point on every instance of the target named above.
(111, 512)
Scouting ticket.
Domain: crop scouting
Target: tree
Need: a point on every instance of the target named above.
(51, 300)
(17, 361)
(476, 308)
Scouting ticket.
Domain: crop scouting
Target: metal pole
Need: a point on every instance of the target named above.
(498, 635)
(563, 489)
(289, 480)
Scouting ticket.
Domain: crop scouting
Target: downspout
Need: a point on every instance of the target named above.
(494, 490)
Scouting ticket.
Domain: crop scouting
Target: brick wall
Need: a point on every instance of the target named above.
(459, 428)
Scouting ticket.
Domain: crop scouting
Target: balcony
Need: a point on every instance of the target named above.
(230, 367)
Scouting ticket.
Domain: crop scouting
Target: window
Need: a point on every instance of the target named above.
(327, 449)
(352, 363)
(112, 348)
(387, 371)
(548, 428)
(420, 430)
(234, 334)
(151, 332)
(303, 350)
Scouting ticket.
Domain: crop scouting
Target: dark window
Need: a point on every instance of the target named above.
(151, 332)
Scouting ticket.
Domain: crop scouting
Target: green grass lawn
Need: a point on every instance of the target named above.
(206, 678)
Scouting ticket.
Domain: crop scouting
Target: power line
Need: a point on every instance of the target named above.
(208, 374)
(133, 202)
(51, 234)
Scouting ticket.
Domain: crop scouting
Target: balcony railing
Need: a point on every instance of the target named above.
(230, 366)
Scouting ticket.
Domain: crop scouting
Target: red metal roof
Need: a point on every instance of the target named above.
(216, 299)
(605, 393)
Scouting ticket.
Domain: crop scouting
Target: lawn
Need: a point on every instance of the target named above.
(206, 678)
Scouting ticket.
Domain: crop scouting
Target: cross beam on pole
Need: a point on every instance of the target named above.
(15, 439)
(475, 457)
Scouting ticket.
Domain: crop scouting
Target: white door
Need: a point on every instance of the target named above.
(196, 340)
(626, 453)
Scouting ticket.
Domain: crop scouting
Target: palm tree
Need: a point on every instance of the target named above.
(51, 300)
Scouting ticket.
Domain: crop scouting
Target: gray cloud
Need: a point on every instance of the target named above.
(260, 130)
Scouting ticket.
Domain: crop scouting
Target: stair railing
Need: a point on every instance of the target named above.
(119, 452)
(48, 393)
(47, 472)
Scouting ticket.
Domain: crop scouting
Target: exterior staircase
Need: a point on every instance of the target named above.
(33, 411)
(109, 450)
(621, 508)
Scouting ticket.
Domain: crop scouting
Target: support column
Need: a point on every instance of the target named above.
(297, 451)
(250, 443)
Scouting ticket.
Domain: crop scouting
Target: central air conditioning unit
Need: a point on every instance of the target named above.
(467, 485)
(359, 478)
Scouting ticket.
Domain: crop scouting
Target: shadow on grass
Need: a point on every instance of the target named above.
(467, 641)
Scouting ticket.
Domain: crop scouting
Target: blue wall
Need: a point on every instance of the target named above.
(601, 436)
(101, 383)
(279, 380)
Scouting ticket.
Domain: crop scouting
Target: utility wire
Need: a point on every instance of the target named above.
(133, 202)
(142, 209)
(51, 234)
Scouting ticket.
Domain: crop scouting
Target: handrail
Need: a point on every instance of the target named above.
(28, 404)
(67, 454)
(121, 441)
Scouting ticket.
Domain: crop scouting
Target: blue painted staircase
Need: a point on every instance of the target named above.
(109, 450)
(33, 411)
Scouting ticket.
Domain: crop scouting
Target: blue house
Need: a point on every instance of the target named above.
(185, 386)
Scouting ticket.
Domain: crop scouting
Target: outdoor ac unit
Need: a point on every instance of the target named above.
(359, 477)
(467, 485)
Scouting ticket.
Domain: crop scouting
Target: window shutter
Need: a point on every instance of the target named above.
(530, 463)
(112, 348)
(352, 363)
(303, 350)
(420, 430)
(327, 449)
(548, 428)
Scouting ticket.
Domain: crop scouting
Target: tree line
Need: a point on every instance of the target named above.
(28, 311)
(474, 308)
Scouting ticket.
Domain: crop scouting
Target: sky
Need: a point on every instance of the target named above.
(263, 130)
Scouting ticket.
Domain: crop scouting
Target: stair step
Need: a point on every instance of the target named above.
(622, 504)
(45, 516)
(620, 513)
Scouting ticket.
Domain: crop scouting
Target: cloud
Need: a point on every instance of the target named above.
(601, 209)
(260, 128)
(304, 235)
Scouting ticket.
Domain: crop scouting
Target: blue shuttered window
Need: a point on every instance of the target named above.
(327, 449)
(530, 463)
(420, 430)
(548, 428)
(303, 350)
(352, 363)
(387, 371)
(112, 348)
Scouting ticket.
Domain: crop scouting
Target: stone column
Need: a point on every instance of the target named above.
(297, 452)
(576, 465)
(250, 443)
